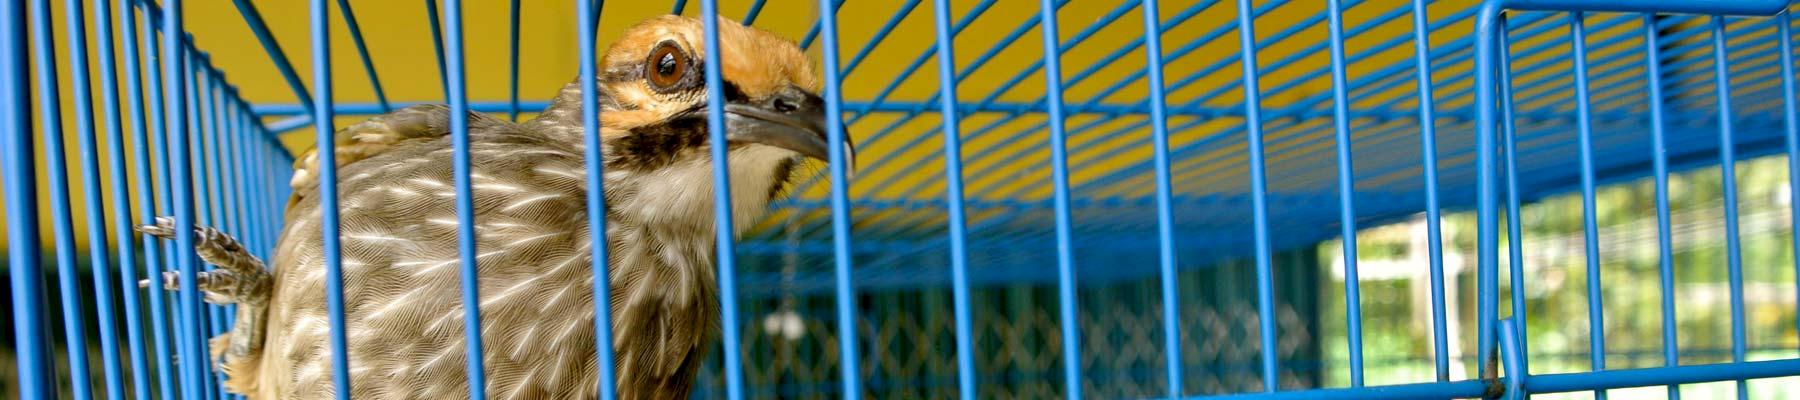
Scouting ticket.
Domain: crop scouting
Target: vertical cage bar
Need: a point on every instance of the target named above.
(1165, 208)
(230, 184)
(330, 245)
(121, 194)
(36, 379)
(1486, 232)
(849, 364)
(1487, 286)
(230, 190)
(1660, 169)
(1791, 121)
(99, 252)
(181, 187)
(263, 185)
(244, 176)
(1059, 167)
(1340, 109)
(1434, 238)
(1728, 185)
(953, 197)
(205, 195)
(727, 259)
(146, 120)
(62, 223)
(465, 196)
(596, 196)
(1259, 207)
(207, 144)
(1590, 225)
(1515, 243)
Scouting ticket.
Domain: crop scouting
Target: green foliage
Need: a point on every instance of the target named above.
(1397, 345)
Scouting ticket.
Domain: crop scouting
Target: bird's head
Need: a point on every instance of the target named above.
(654, 98)
(654, 107)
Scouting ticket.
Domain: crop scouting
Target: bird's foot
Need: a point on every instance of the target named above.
(240, 277)
(219, 286)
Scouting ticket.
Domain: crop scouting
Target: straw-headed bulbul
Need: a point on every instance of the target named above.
(398, 229)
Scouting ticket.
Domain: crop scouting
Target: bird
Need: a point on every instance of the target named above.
(401, 279)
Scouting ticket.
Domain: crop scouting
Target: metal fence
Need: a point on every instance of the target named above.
(1124, 219)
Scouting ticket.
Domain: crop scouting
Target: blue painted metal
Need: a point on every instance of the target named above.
(1346, 193)
(1165, 210)
(1059, 166)
(1259, 208)
(1792, 123)
(596, 199)
(953, 201)
(368, 63)
(722, 215)
(62, 223)
(121, 198)
(192, 343)
(330, 241)
(35, 376)
(98, 249)
(1727, 7)
(1728, 187)
(880, 34)
(155, 197)
(205, 170)
(850, 364)
(805, 42)
(261, 29)
(1515, 237)
(465, 198)
(1590, 222)
(755, 10)
(437, 45)
(1434, 237)
(1580, 381)
(990, 215)
(1512, 351)
(1660, 170)
(1487, 257)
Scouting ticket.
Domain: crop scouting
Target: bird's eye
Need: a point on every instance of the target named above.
(666, 66)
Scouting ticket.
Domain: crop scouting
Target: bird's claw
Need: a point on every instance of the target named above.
(240, 277)
(219, 286)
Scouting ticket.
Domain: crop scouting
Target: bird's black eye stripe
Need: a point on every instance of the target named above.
(733, 94)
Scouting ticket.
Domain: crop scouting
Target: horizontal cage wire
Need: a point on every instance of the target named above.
(1054, 199)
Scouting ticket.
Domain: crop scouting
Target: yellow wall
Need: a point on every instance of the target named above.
(399, 39)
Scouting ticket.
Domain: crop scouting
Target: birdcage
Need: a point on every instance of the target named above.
(1057, 199)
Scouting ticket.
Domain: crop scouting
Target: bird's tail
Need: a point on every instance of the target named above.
(240, 279)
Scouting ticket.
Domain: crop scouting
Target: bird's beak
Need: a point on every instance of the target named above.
(792, 119)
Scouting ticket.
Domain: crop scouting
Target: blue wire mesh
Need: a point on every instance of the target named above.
(1135, 216)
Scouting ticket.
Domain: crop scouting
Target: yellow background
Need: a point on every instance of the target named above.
(399, 40)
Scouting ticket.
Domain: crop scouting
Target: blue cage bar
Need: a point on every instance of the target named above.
(1114, 209)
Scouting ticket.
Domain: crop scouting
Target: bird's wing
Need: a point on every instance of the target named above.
(377, 135)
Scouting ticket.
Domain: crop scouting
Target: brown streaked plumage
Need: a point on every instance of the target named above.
(398, 229)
